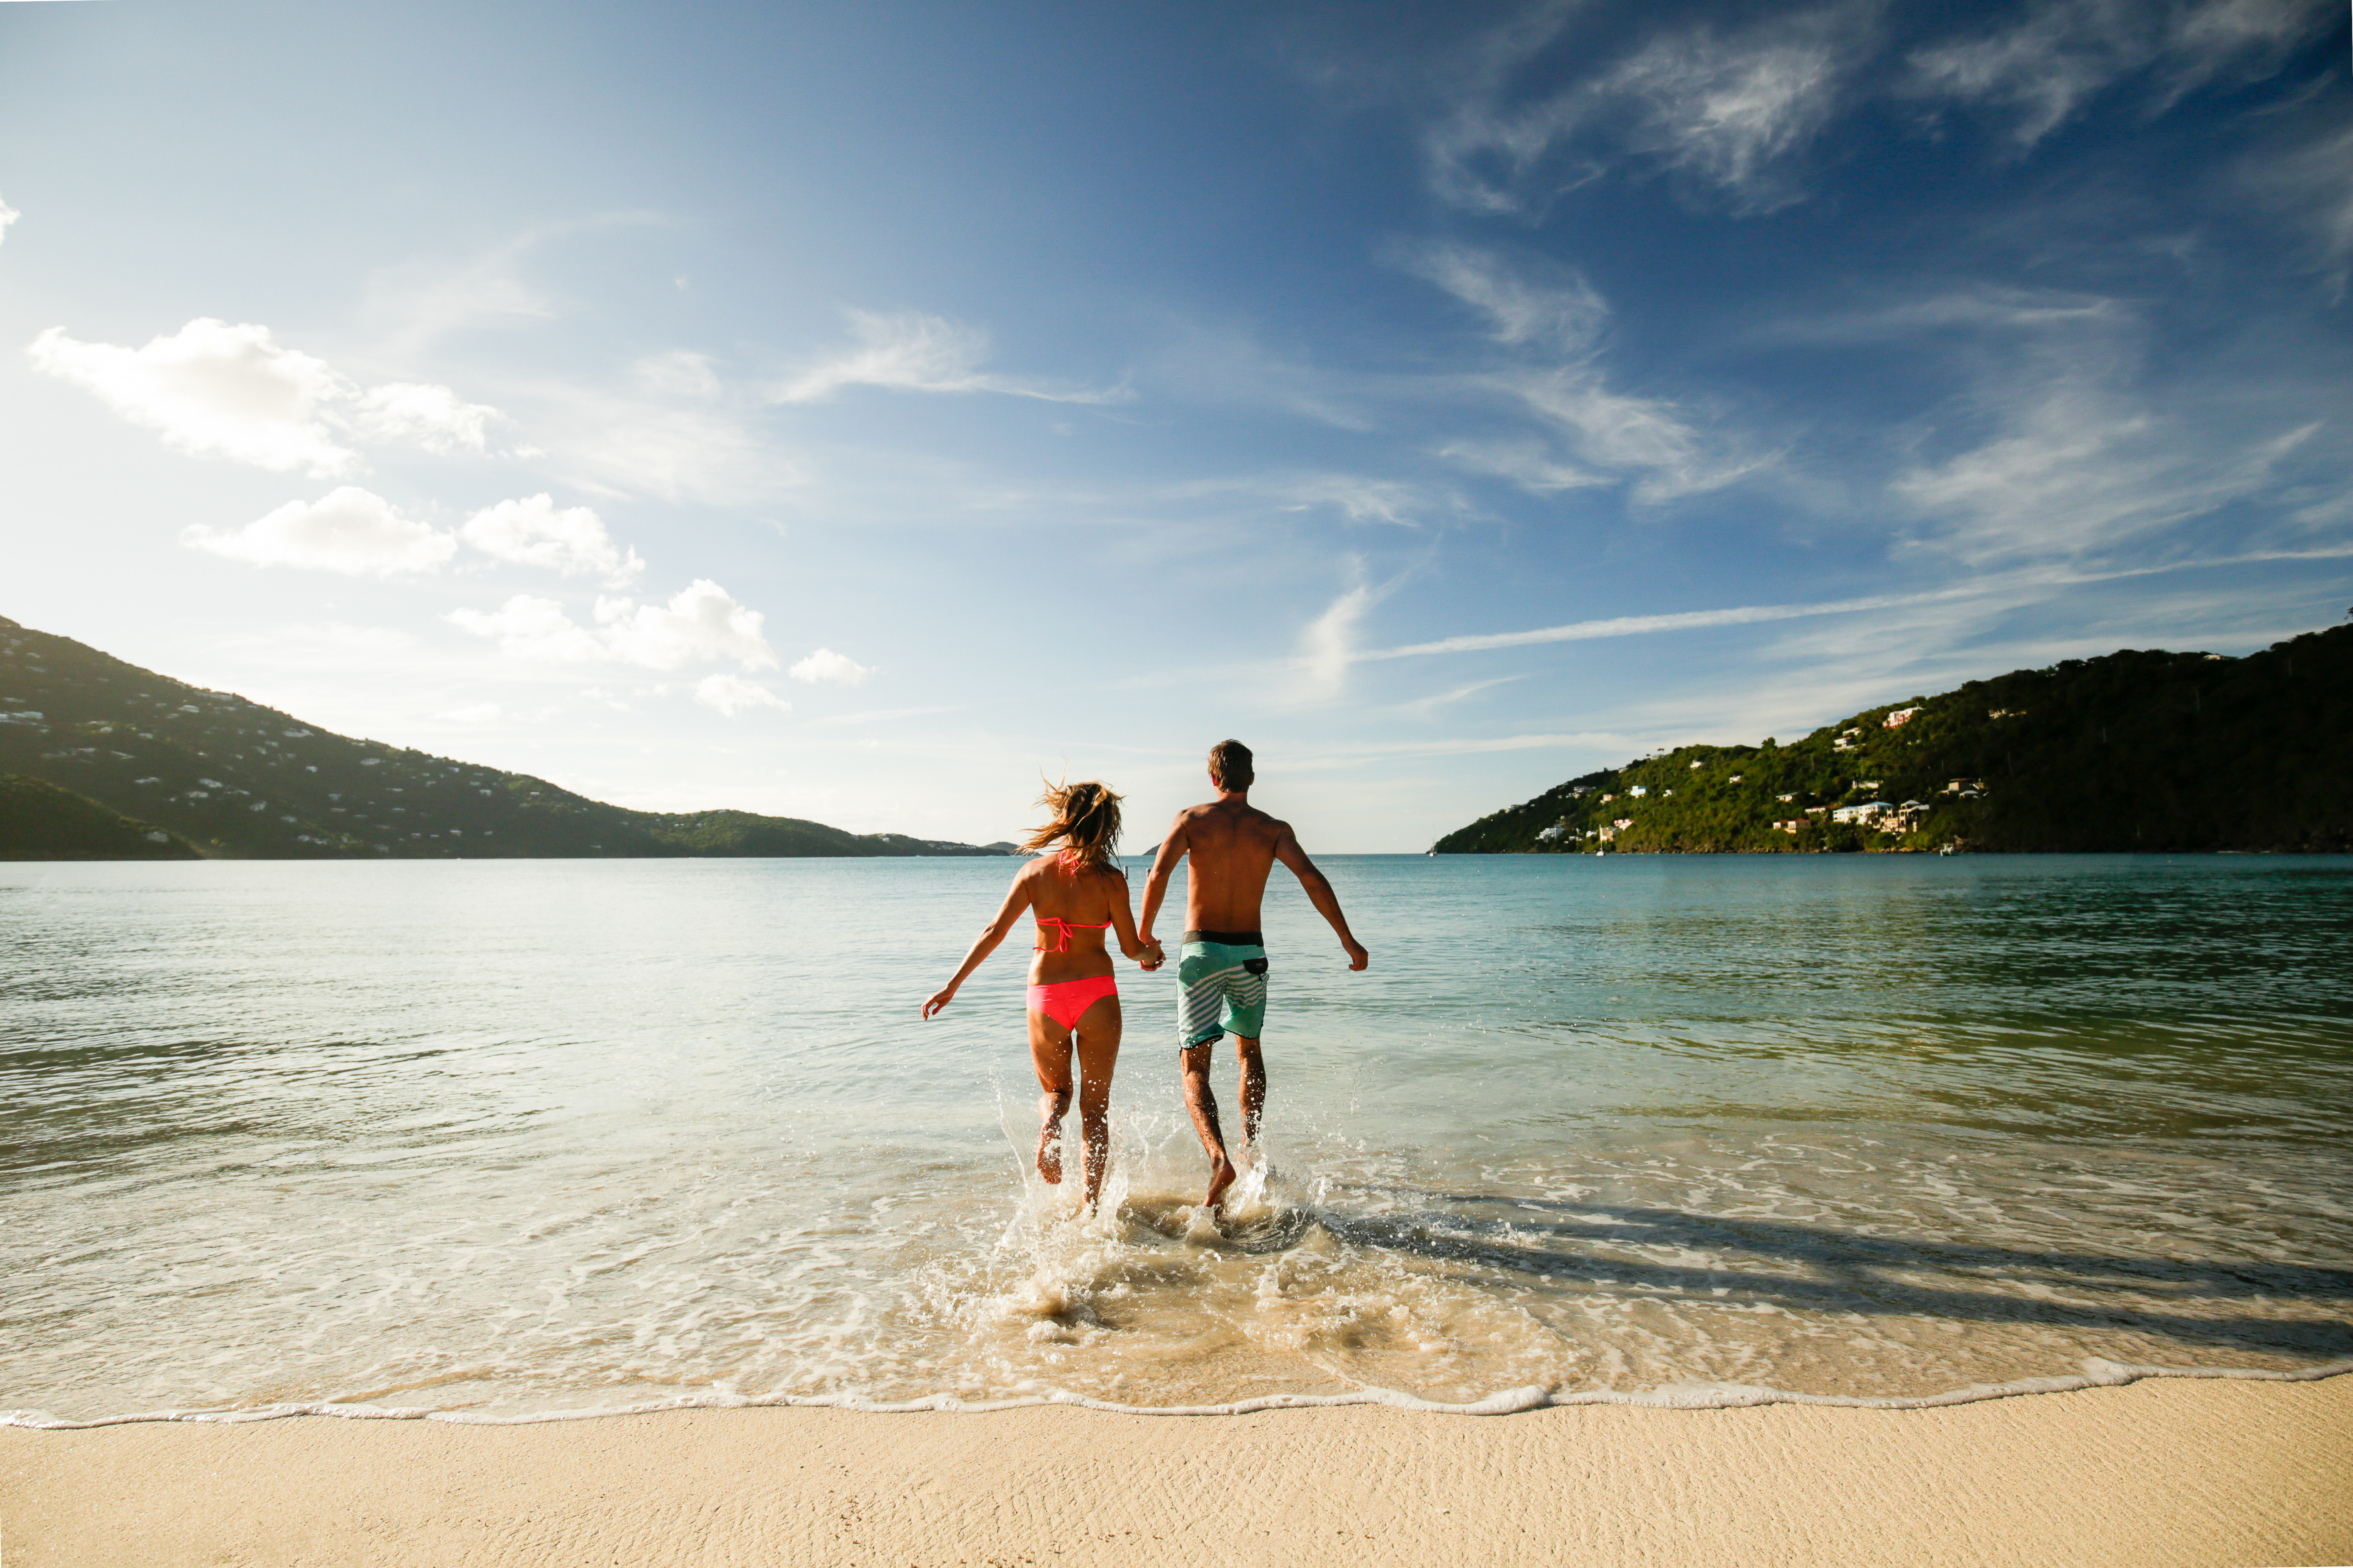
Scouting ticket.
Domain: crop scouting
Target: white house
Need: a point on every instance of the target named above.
(1901, 717)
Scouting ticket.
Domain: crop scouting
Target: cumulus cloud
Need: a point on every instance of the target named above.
(8, 215)
(732, 694)
(826, 665)
(417, 414)
(532, 531)
(702, 622)
(215, 390)
(349, 529)
(910, 352)
(535, 628)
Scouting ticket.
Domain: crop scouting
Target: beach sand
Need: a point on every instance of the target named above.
(2201, 1472)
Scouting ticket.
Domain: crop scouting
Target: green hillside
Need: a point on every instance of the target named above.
(41, 821)
(236, 780)
(2133, 751)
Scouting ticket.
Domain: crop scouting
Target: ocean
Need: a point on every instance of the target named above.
(517, 1139)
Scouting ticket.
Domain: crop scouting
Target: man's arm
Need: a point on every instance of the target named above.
(1319, 894)
(1156, 884)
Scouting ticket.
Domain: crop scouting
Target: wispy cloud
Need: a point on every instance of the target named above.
(1554, 329)
(1724, 110)
(2038, 68)
(907, 351)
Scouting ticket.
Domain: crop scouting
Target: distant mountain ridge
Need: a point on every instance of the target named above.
(224, 778)
(2136, 751)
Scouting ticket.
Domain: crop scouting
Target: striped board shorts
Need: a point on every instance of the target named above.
(1220, 987)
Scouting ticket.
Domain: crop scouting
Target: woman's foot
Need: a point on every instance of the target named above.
(1049, 1152)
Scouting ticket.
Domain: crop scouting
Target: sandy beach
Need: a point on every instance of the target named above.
(2201, 1472)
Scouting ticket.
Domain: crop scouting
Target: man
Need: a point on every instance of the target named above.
(1221, 970)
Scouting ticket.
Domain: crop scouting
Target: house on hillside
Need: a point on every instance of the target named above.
(1901, 717)
(1550, 834)
(1639, 791)
(1870, 810)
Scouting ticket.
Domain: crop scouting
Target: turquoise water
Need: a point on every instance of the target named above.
(517, 1138)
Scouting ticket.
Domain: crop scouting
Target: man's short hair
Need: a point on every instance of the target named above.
(1230, 764)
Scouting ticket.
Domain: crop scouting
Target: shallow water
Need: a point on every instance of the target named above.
(516, 1138)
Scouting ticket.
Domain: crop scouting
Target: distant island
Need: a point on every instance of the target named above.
(2137, 750)
(100, 760)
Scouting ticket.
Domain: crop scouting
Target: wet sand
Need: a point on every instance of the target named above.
(2205, 1472)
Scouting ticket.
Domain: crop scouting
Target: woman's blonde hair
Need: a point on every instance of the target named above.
(1086, 820)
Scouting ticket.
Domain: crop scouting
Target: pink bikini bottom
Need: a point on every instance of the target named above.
(1065, 1000)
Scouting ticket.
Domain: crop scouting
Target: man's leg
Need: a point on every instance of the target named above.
(1254, 1089)
(1050, 1053)
(1203, 1103)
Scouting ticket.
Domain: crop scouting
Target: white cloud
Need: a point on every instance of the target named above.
(534, 629)
(217, 390)
(213, 390)
(827, 665)
(1358, 499)
(732, 694)
(2079, 469)
(1648, 440)
(677, 373)
(533, 532)
(417, 414)
(348, 530)
(474, 713)
(2060, 55)
(910, 352)
(702, 622)
(1727, 112)
(8, 215)
(1328, 645)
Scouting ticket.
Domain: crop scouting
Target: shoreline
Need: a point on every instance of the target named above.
(2096, 1373)
(2199, 1471)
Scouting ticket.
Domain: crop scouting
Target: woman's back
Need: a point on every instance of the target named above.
(1072, 903)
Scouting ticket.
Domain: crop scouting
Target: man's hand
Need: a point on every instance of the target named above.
(1152, 956)
(1357, 956)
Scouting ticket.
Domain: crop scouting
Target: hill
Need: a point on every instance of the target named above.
(41, 821)
(236, 779)
(2137, 750)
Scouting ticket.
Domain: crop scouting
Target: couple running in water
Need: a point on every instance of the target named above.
(1079, 892)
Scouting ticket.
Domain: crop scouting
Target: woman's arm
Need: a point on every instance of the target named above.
(1123, 925)
(1015, 900)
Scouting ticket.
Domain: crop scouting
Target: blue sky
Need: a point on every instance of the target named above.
(852, 411)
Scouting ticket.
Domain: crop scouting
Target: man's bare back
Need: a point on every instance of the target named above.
(1221, 978)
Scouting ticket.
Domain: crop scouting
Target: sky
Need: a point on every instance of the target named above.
(857, 411)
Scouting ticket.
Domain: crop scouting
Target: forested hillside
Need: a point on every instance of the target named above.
(235, 778)
(2133, 751)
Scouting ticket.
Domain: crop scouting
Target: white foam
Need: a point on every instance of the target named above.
(2096, 1373)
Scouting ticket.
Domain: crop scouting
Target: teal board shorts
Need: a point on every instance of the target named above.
(1220, 987)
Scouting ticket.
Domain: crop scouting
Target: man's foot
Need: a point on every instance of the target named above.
(1220, 1178)
(1049, 1152)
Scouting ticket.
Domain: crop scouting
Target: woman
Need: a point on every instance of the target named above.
(1077, 894)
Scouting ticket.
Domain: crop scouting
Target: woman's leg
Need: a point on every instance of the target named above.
(1098, 1036)
(1050, 1053)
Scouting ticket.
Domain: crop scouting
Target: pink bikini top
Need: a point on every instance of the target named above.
(1063, 927)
